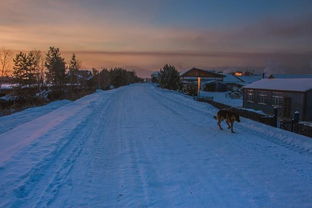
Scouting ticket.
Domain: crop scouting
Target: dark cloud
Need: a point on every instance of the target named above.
(288, 28)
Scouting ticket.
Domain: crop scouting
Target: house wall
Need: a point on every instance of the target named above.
(213, 86)
(296, 99)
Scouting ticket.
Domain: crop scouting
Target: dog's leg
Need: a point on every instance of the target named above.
(219, 124)
(227, 122)
(232, 124)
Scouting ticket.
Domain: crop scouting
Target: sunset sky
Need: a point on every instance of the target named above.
(143, 35)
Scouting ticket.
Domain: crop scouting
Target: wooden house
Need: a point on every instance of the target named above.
(287, 95)
(207, 78)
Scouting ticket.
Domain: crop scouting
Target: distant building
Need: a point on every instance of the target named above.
(82, 78)
(232, 82)
(193, 73)
(288, 95)
(208, 78)
(84, 75)
(155, 76)
(248, 79)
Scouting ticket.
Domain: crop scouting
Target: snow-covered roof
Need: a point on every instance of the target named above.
(196, 72)
(299, 85)
(186, 70)
(291, 76)
(183, 71)
(208, 81)
(250, 78)
(229, 78)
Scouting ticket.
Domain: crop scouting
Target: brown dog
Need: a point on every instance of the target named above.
(229, 116)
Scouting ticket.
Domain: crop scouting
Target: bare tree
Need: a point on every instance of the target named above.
(73, 68)
(39, 62)
(5, 61)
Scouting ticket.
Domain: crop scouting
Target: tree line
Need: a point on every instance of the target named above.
(36, 69)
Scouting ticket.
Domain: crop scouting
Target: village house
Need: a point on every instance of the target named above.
(206, 75)
(216, 81)
(207, 78)
(287, 95)
(232, 82)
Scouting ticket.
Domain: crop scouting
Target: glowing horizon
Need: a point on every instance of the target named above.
(144, 35)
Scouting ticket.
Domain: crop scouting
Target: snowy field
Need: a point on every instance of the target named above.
(141, 146)
(223, 97)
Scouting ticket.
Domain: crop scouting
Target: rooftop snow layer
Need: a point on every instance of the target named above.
(291, 76)
(299, 85)
(229, 78)
(251, 78)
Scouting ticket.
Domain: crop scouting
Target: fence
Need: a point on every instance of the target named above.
(299, 128)
(269, 120)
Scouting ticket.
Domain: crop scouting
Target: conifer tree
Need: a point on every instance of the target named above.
(55, 65)
(25, 69)
(73, 68)
(169, 78)
(34, 70)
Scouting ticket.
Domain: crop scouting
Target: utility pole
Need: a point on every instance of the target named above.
(198, 86)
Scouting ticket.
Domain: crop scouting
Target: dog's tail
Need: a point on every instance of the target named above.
(215, 117)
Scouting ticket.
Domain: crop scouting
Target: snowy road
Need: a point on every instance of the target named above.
(140, 146)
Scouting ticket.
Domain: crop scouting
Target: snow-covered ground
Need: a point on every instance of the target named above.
(16, 119)
(141, 146)
(223, 97)
(7, 86)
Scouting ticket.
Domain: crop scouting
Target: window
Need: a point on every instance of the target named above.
(250, 96)
(262, 98)
(278, 101)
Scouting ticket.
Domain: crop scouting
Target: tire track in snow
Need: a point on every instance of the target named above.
(83, 132)
(105, 165)
(137, 153)
(30, 182)
(22, 136)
